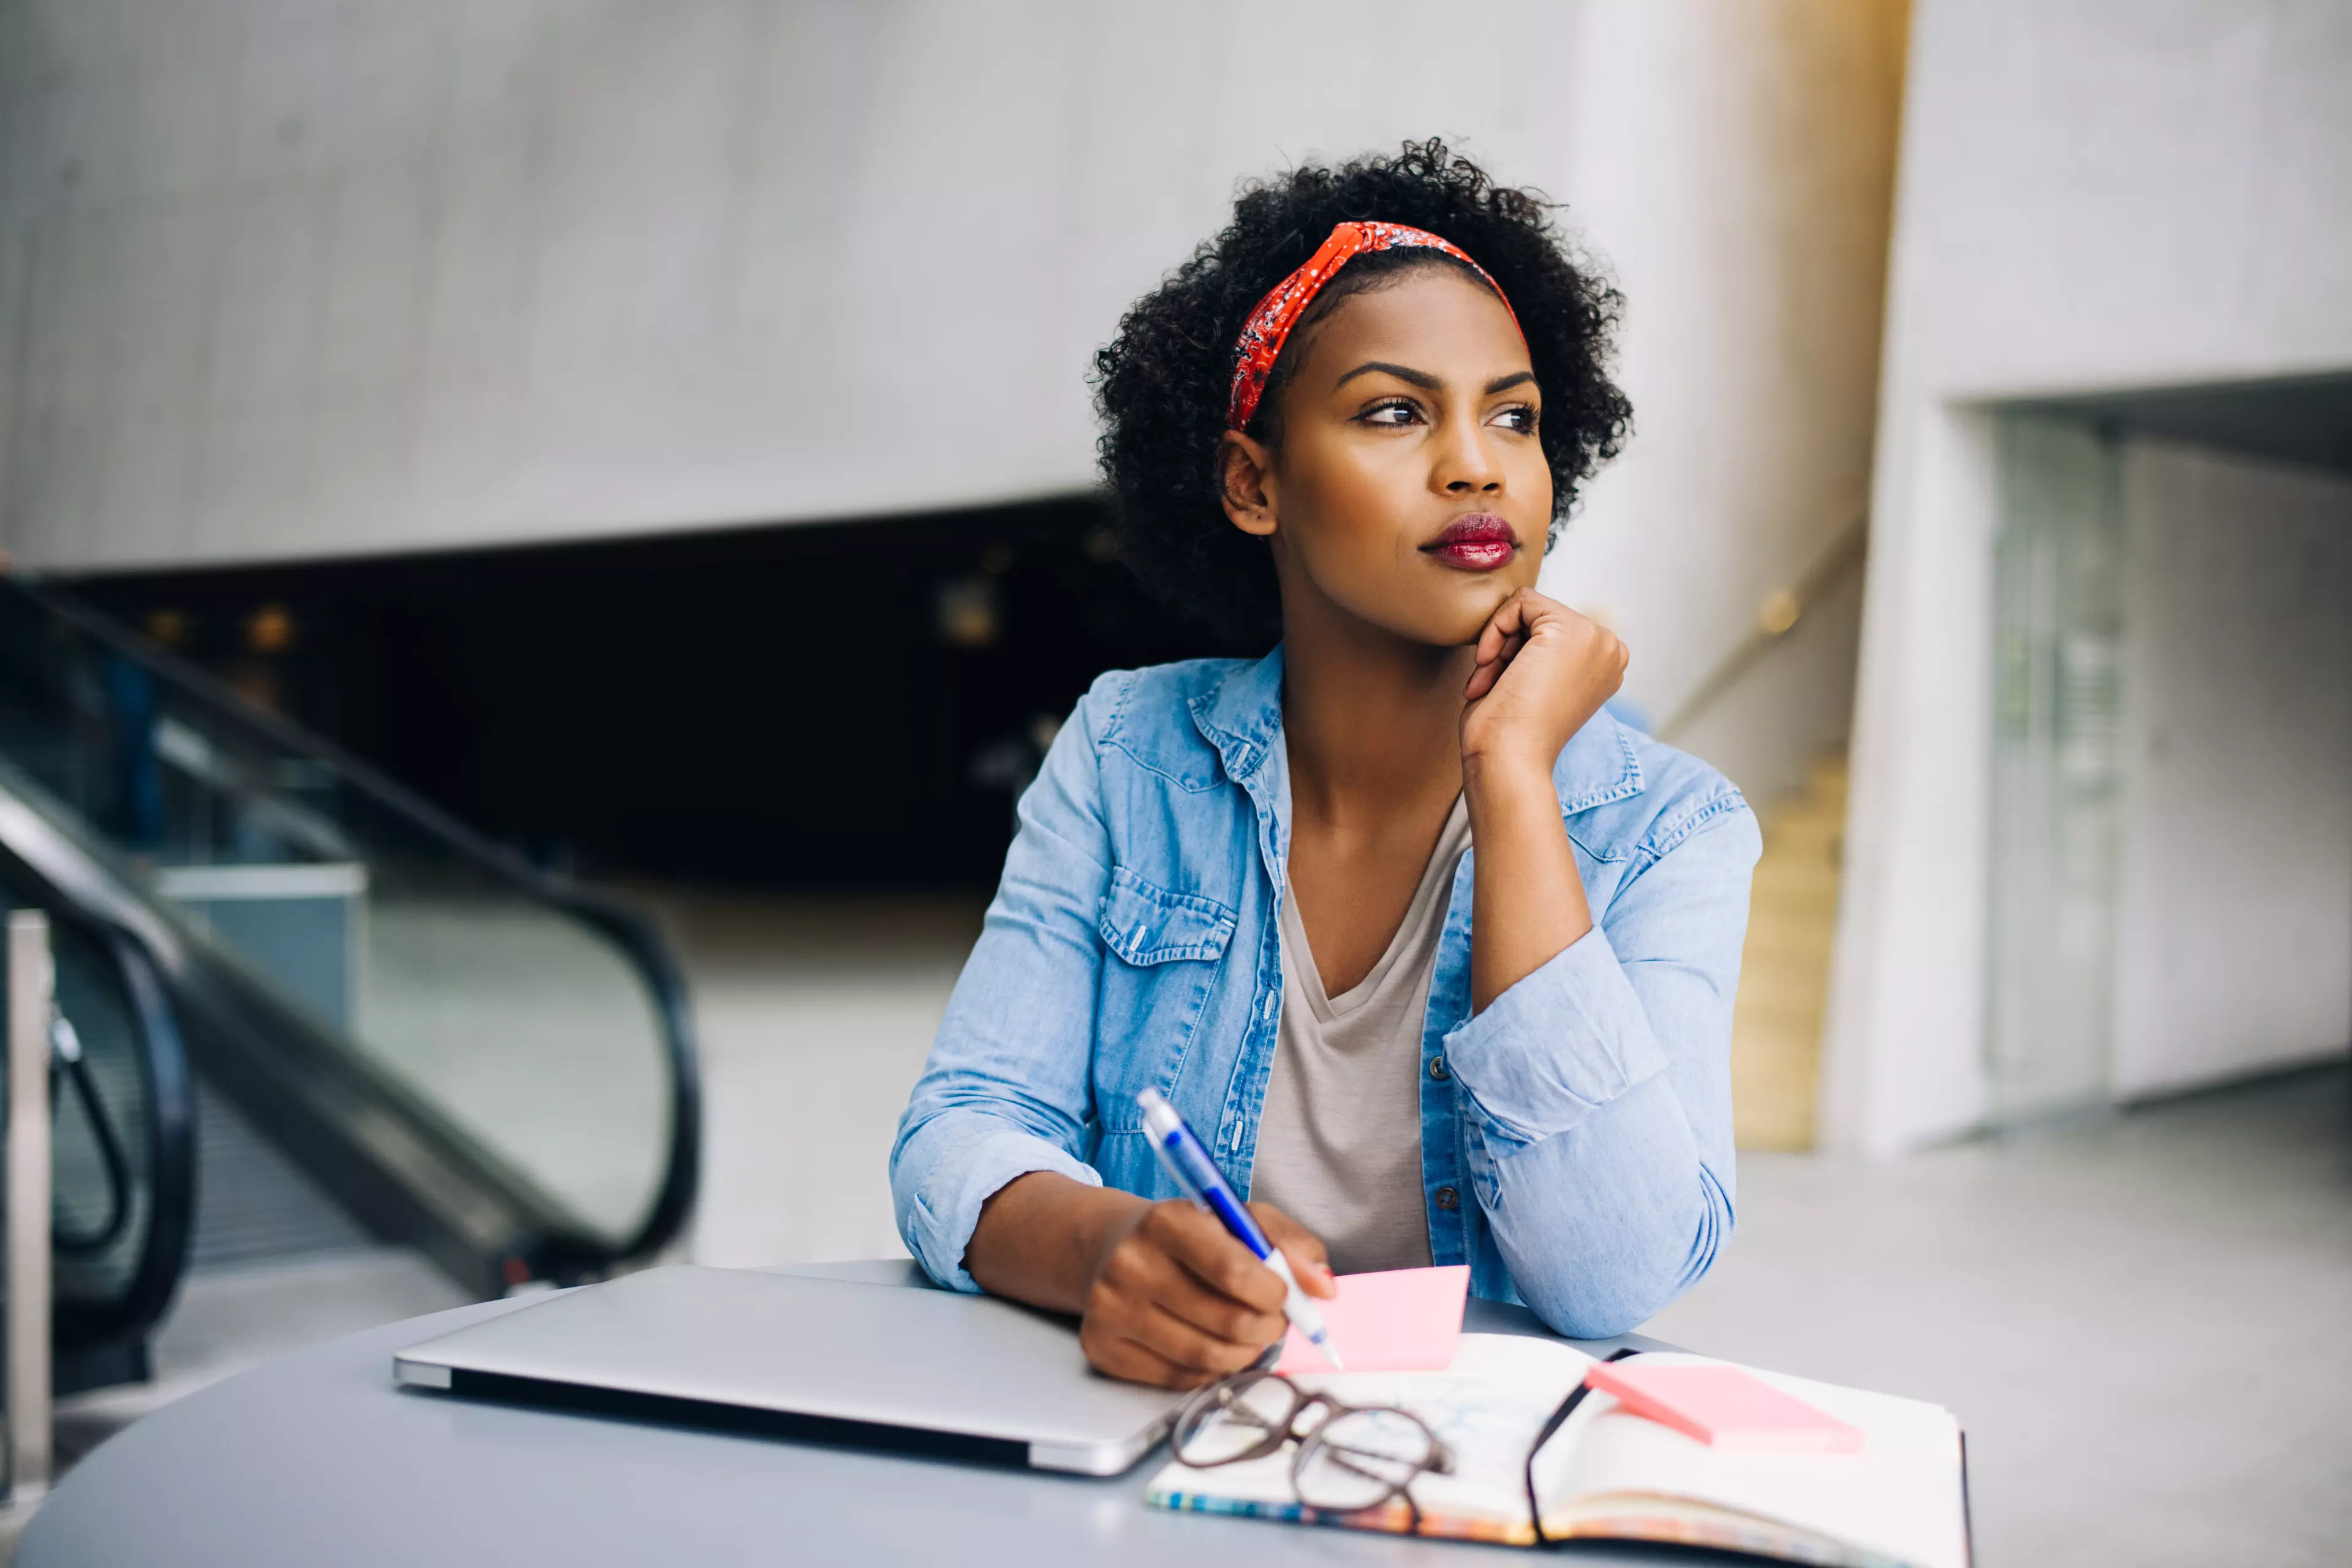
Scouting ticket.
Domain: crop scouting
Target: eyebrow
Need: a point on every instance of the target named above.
(1422, 379)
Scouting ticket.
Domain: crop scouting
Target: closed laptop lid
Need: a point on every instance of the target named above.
(724, 1340)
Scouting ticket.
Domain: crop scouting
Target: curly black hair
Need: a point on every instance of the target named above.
(1161, 385)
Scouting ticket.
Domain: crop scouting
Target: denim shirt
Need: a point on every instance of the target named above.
(1575, 1136)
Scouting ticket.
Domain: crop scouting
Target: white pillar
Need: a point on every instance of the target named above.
(1735, 166)
(32, 986)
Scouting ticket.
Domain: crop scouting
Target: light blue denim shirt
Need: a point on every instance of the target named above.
(1575, 1136)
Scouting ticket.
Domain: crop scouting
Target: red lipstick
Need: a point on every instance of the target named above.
(1481, 541)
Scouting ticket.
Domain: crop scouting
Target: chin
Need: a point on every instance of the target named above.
(1452, 626)
(1472, 607)
(1447, 612)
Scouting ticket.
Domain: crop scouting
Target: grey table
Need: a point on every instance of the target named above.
(318, 1458)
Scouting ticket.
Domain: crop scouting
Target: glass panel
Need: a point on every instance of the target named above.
(527, 1024)
(2058, 624)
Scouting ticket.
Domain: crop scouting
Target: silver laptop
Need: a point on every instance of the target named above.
(809, 1357)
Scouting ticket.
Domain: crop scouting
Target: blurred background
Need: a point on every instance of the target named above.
(547, 535)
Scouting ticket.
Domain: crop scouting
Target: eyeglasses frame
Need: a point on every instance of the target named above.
(1439, 1461)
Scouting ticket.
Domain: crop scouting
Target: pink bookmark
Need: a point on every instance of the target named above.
(1724, 1406)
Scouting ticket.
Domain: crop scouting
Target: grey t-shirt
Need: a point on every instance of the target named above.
(1339, 1142)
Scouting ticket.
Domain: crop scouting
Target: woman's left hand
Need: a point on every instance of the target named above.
(1543, 671)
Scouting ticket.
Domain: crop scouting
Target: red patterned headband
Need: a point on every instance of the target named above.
(1268, 326)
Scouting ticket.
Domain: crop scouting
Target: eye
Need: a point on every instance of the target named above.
(1520, 417)
(1394, 413)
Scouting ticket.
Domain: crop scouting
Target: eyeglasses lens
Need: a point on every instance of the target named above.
(1362, 1459)
(1239, 1419)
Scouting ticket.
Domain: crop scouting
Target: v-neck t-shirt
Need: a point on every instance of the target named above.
(1338, 1140)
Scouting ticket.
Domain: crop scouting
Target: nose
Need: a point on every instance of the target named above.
(1465, 463)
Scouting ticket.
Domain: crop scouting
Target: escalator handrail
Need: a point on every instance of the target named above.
(171, 1159)
(624, 926)
(71, 1075)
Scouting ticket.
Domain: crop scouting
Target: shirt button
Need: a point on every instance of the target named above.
(1448, 1199)
(1437, 1068)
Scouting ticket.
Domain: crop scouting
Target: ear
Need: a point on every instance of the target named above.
(1245, 483)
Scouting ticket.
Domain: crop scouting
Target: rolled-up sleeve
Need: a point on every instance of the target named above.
(1599, 1090)
(1007, 1089)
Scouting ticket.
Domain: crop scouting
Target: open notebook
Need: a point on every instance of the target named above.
(1898, 1503)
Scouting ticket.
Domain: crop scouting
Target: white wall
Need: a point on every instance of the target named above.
(2234, 937)
(2090, 196)
(287, 280)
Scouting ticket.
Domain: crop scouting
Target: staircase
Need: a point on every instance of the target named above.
(1784, 971)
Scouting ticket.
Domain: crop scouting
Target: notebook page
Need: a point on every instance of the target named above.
(1898, 1500)
(1487, 1406)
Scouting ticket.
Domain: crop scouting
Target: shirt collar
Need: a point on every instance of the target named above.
(1598, 765)
(1241, 716)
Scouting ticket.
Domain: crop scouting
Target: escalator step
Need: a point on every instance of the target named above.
(252, 1204)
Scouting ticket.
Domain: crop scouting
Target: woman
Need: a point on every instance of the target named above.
(1435, 955)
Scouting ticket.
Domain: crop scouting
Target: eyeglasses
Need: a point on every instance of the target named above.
(1350, 1457)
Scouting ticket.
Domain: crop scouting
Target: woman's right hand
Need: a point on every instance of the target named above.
(1164, 1293)
(1177, 1302)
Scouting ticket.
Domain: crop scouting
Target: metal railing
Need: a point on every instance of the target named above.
(1776, 618)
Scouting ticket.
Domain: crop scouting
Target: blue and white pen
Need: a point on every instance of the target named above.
(1188, 1163)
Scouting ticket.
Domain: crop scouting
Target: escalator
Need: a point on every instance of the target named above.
(467, 1055)
(123, 1152)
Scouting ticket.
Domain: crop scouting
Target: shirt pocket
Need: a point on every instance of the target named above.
(1145, 925)
(1166, 948)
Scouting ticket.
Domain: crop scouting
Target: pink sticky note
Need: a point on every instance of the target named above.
(1724, 1406)
(1406, 1320)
